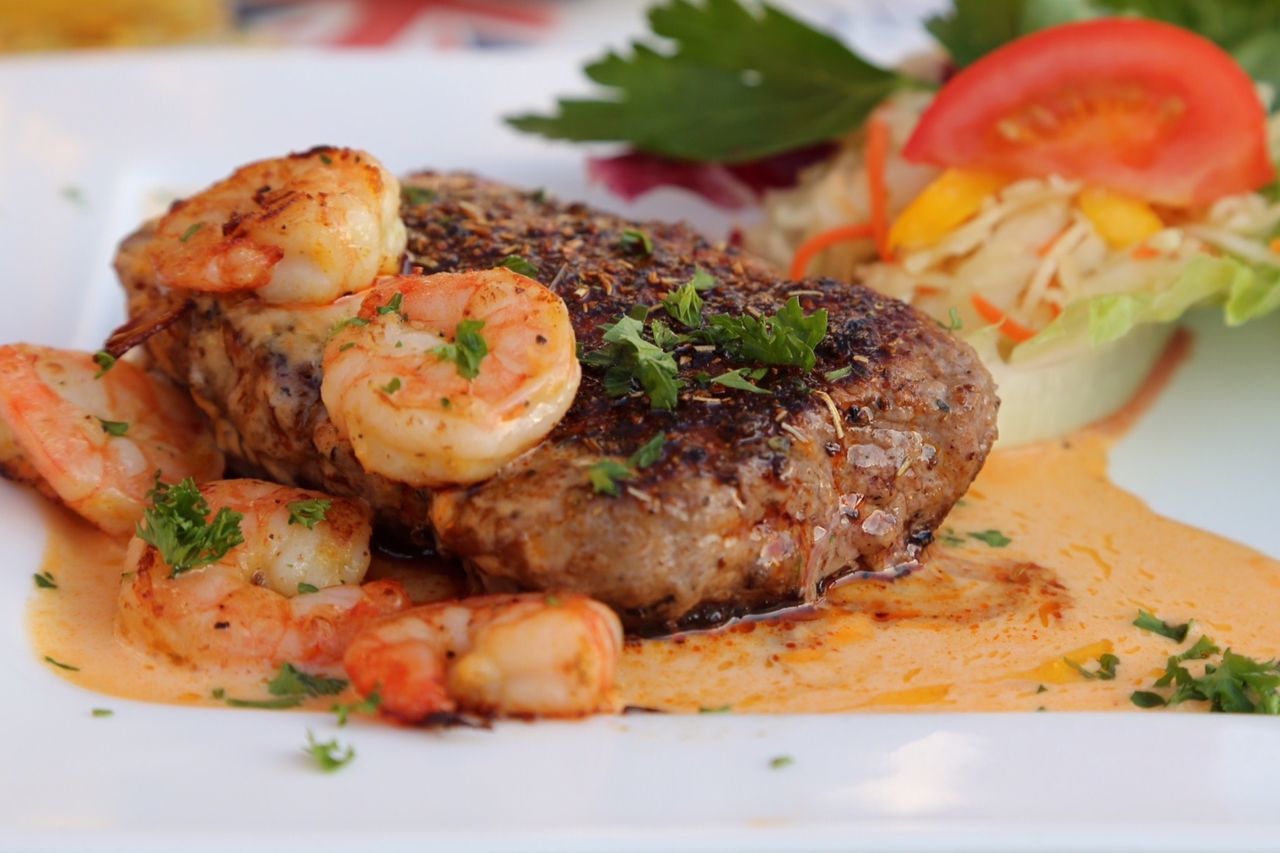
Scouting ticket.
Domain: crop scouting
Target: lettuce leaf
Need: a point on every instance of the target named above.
(1245, 292)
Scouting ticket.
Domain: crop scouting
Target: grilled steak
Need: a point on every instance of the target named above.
(757, 499)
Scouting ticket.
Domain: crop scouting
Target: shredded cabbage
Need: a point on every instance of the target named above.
(1100, 311)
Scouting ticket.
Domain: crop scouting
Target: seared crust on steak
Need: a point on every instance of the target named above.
(758, 500)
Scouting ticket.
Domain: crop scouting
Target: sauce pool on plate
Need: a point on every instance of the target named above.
(1038, 572)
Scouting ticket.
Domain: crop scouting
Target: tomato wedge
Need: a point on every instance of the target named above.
(1135, 106)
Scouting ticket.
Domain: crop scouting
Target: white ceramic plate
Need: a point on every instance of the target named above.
(161, 778)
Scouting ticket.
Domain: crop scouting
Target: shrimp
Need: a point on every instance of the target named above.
(304, 228)
(289, 593)
(445, 378)
(94, 440)
(527, 655)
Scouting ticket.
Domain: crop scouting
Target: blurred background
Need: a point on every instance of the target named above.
(59, 25)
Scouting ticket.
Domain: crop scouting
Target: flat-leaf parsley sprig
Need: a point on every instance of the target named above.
(736, 83)
(729, 81)
(178, 525)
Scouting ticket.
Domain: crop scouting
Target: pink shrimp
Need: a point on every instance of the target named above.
(95, 440)
(304, 228)
(528, 655)
(289, 592)
(445, 378)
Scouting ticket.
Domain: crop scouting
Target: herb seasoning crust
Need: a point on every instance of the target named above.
(756, 500)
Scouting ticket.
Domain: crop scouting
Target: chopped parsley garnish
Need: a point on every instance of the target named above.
(116, 428)
(1200, 650)
(786, 338)
(1148, 622)
(105, 362)
(192, 230)
(954, 323)
(992, 538)
(467, 350)
(605, 474)
(519, 265)
(291, 681)
(417, 195)
(102, 712)
(1106, 670)
(950, 538)
(393, 306)
(637, 242)
(778, 444)
(60, 665)
(44, 580)
(309, 512)
(717, 709)
(735, 379)
(329, 755)
(391, 387)
(684, 304)
(177, 524)
(1147, 699)
(290, 686)
(628, 359)
(350, 322)
(780, 761)
(280, 704)
(1232, 684)
(779, 85)
(664, 337)
(649, 452)
(1235, 684)
(305, 588)
(326, 159)
(367, 705)
(837, 374)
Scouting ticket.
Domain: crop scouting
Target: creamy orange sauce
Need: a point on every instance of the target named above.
(75, 624)
(977, 628)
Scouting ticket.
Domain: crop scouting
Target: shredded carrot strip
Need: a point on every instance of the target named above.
(1143, 253)
(1011, 328)
(1274, 245)
(825, 240)
(877, 157)
(928, 290)
(1055, 309)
